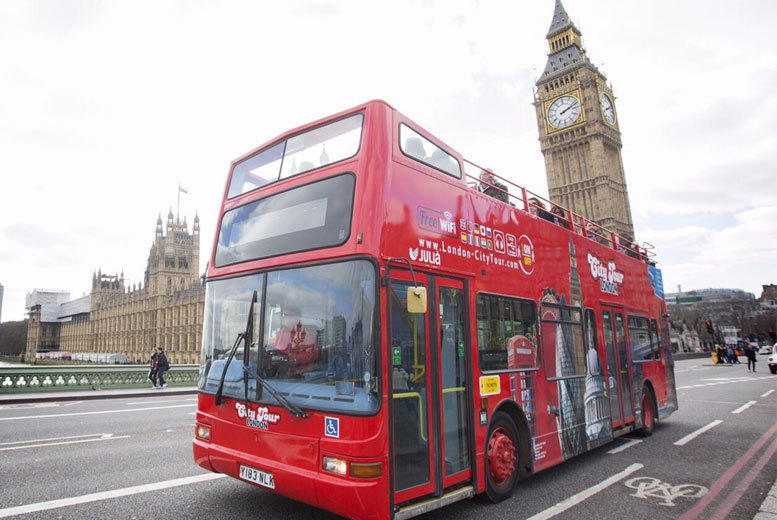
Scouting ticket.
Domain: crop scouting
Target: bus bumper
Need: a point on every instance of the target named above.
(348, 497)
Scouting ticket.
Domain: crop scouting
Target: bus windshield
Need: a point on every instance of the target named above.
(317, 344)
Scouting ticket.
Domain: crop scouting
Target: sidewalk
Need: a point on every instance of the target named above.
(82, 395)
(768, 509)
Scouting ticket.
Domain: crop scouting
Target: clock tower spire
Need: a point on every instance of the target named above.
(579, 134)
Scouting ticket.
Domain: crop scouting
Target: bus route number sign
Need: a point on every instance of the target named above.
(489, 385)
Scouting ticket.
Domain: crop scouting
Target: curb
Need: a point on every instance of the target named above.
(768, 509)
(92, 394)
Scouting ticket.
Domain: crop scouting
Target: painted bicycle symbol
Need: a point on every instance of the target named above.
(649, 487)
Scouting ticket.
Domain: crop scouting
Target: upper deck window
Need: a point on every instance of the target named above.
(304, 152)
(421, 149)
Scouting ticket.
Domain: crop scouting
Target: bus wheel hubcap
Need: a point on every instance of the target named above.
(501, 456)
(647, 412)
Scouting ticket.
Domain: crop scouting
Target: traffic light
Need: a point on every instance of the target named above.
(772, 335)
(709, 327)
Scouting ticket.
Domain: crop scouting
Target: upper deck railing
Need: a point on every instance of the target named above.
(526, 200)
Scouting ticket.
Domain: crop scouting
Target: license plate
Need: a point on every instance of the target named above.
(258, 476)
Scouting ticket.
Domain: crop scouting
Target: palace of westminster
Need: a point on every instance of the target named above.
(579, 138)
(165, 310)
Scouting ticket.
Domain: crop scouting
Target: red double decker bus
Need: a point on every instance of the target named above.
(382, 338)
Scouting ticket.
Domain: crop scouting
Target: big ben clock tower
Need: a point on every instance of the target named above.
(579, 134)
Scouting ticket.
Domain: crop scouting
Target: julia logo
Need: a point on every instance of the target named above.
(413, 254)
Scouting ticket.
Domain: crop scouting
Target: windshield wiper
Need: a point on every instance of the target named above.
(246, 337)
(288, 405)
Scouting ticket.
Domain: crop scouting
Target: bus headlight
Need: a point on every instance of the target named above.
(203, 432)
(336, 466)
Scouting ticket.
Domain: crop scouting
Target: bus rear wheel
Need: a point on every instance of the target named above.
(501, 457)
(648, 413)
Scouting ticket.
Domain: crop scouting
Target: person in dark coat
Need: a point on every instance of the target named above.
(751, 357)
(161, 366)
(492, 187)
(152, 367)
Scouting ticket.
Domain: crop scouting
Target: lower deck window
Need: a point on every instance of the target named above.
(506, 329)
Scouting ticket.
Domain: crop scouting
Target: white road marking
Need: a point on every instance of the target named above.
(632, 442)
(100, 437)
(767, 393)
(723, 382)
(159, 401)
(579, 497)
(104, 495)
(92, 413)
(744, 407)
(54, 439)
(688, 438)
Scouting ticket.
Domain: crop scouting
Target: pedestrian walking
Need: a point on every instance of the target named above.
(161, 366)
(751, 357)
(730, 355)
(152, 367)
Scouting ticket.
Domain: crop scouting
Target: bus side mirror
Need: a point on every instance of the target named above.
(416, 300)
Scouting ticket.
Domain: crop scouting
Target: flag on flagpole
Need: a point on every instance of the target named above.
(181, 189)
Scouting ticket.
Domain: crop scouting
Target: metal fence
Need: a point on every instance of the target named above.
(52, 378)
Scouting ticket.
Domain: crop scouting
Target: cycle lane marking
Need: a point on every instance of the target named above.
(586, 493)
(650, 487)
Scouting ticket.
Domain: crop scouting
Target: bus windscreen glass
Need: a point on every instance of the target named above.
(318, 342)
(308, 217)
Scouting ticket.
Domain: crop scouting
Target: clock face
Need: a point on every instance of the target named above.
(608, 111)
(564, 111)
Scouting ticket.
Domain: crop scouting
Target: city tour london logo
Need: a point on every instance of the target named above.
(608, 275)
(485, 245)
(260, 418)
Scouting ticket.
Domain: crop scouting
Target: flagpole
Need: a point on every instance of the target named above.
(178, 209)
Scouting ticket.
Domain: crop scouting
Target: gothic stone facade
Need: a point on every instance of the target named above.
(579, 135)
(165, 310)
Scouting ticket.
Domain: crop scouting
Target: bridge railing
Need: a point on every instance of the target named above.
(53, 378)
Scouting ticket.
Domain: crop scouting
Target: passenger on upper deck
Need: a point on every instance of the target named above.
(415, 148)
(491, 187)
(626, 245)
(537, 207)
(560, 216)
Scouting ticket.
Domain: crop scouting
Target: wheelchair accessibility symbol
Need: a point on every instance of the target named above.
(332, 427)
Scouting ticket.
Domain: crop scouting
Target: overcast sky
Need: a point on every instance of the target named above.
(105, 106)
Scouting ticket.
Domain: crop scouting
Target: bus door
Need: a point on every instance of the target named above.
(428, 366)
(618, 366)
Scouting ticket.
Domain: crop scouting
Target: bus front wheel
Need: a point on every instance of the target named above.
(501, 457)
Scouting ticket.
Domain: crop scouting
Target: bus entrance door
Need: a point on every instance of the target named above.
(428, 366)
(618, 370)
